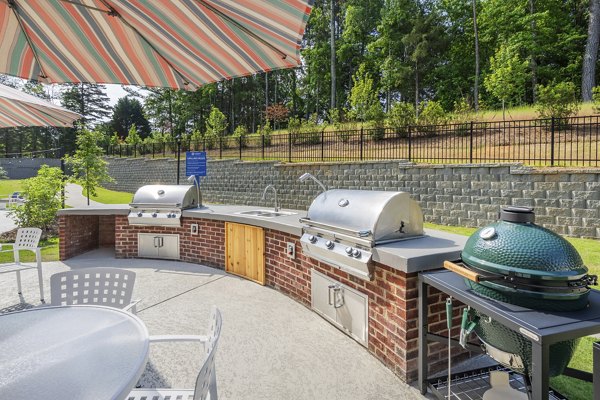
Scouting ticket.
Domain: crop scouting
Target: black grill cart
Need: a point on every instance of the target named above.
(541, 328)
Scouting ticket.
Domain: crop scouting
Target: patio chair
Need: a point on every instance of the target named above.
(27, 239)
(206, 382)
(103, 286)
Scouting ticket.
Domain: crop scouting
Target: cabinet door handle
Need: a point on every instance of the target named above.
(155, 241)
(337, 293)
(161, 241)
(329, 295)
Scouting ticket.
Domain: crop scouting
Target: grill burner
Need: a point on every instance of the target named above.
(343, 226)
(161, 205)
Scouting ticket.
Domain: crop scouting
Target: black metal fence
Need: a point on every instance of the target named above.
(541, 142)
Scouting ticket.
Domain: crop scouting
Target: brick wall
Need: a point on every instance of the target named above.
(77, 234)
(207, 248)
(393, 325)
(566, 201)
(393, 313)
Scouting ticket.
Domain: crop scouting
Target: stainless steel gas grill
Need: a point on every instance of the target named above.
(161, 205)
(342, 226)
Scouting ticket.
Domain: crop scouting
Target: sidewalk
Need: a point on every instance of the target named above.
(271, 347)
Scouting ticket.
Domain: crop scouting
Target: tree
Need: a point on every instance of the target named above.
(363, 97)
(89, 169)
(126, 113)
(87, 99)
(558, 100)
(590, 57)
(42, 200)
(508, 74)
(333, 62)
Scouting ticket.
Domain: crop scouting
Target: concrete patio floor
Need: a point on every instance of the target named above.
(271, 346)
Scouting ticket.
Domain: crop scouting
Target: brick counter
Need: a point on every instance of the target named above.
(392, 294)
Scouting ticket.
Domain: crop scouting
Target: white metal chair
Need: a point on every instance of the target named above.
(104, 286)
(206, 382)
(27, 239)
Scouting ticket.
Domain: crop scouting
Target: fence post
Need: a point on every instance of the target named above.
(409, 143)
(164, 149)
(152, 149)
(120, 151)
(262, 145)
(134, 150)
(240, 141)
(323, 144)
(471, 144)
(289, 146)
(220, 147)
(552, 142)
(361, 142)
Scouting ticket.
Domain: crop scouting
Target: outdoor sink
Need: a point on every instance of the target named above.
(265, 213)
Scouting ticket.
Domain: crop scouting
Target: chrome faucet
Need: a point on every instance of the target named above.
(307, 175)
(274, 191)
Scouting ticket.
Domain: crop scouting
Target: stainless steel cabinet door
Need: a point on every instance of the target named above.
(344, 307)
(152, 245)
(169, 247)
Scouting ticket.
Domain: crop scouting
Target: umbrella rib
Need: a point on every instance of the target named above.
(12, 4)
(224, 16)
(113, 13)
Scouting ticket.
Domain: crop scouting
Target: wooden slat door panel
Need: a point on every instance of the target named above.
(245, 251)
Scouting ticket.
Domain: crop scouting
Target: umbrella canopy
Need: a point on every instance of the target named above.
(22, 109)
(168, 43)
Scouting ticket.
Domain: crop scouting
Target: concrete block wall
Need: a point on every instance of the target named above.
(22, 168)
(566, 201)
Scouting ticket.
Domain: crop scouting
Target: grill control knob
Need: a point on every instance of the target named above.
(329, 244)
(154, 215)
(349, 250)
(312, 239)
(356, 253)
(140, 214)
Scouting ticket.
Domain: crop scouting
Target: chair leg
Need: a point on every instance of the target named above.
(38, 259)
(19, 282)
(212, 387)
(41, 283)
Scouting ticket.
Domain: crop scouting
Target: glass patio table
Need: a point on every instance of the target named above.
(71, 352)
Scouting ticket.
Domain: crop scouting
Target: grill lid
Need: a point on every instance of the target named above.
(515, 245)
(165, 196)
(376, 215)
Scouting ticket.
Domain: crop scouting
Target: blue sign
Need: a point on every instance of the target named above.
(195, 163)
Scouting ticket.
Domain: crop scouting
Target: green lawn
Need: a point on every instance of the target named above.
(111, 197)
(573, 389)
(8, 186)
(49, 252)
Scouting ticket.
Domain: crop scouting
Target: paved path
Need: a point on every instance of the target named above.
(74, 196)
(271, 347)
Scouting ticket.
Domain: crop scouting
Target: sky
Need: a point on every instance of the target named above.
(115, 92)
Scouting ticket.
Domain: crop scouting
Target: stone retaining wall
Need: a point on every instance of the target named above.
(565, 200)
(22, 168)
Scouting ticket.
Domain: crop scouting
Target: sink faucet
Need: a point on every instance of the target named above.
(307, 175)
(274, 191)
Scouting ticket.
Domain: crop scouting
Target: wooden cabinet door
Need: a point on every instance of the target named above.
(245, 251)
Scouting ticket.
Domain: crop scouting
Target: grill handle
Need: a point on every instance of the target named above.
(462, 271)
(155, 205)
(361, 233)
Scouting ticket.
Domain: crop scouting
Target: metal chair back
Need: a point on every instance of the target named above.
(206, 383)
(111, 287)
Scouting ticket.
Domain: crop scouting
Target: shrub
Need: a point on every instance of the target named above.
(558, 100)
(294, 129)
(265, 132)
(596, 99)
(42, 199)
(431, 114)
(310, 131)
(401, 116)
(463, 116)
(335, 118)
(377, 122)
(241, 135)
(216, 124)
(3, 174)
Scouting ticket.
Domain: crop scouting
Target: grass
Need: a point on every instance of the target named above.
(9, 186)
(573, 389)
(106, 196)
(49, 252)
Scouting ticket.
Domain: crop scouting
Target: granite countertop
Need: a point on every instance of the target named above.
(412, 255)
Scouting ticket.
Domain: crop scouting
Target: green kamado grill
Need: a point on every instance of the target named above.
(518, 262)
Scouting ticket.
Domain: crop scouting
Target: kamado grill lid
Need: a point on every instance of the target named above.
(516, 246)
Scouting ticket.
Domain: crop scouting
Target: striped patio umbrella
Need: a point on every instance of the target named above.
(21, 109)
(180, 44)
